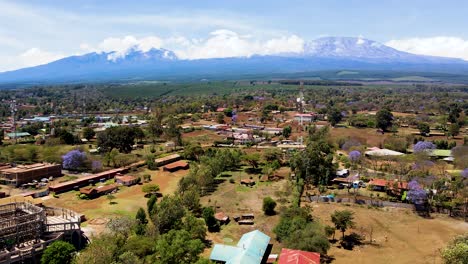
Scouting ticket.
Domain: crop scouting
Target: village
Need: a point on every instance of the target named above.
(401, 169)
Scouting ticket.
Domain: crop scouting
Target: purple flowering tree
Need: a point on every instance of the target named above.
(74, 160)
(423, 146)
(355, 156)
(464, 173)
(96, 165)
(415, 192)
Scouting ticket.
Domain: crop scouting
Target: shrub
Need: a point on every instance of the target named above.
(269, 206)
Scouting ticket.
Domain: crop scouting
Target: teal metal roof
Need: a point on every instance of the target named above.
(224, 252)
(249, 250)
(18, 134)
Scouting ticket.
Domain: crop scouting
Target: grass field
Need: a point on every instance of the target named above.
(400, 235)
(127, 202)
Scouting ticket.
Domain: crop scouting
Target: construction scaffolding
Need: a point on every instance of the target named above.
(27, 229)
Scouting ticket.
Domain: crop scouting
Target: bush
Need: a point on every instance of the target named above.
(269, 206)
(58, 252)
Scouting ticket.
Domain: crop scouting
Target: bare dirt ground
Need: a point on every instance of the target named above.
(400, 235)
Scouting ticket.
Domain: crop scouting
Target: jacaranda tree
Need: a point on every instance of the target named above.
(74, 160)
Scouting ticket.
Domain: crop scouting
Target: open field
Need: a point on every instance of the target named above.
(127, 202)
(400, 235)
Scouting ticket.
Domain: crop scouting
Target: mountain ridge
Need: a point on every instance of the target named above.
(328, 53)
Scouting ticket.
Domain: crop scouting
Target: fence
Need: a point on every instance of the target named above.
(377, 203)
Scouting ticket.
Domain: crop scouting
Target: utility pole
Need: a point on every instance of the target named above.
(14, 109)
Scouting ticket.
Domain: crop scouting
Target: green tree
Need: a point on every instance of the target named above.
(88, 133)
(330, 231)
(220, 118)
(457, 251)
(155, 127)
(141, 216)
(169, 213)
(424, 129)
(310, 238)
(177, 247)
(269, 206)
(384, 119)
(151, 203)
(253, 159)
(59, 252)
(210, 220)
(195, 226)
(111, 198)
(150, 188)
(454, 130)
(287, 131)
(334, 116)
(315, 164)
(193, 151)
(343, 220)
(120, 138)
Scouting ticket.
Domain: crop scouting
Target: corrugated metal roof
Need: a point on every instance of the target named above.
(249, 250)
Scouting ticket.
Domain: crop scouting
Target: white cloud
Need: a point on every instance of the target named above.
(36, 56)
(436, 46)
(221, 43)
(225, 43)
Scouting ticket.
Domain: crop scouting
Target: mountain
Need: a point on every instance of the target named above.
(324, 54)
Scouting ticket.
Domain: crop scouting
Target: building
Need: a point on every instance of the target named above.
(175, 166)
(304, 117)
(126, 180)
(377, 152)
(26, 230)
(291, 256)
(222, 218)
(15, 135)
(90, 179)
(23, 174)
(167, 159)
(251, 249)
(384, 185)
(94, 192)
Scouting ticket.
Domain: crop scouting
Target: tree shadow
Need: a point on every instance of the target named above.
(351, 240)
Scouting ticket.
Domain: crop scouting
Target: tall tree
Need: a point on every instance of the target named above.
(334, 116)
(343, 220)
(384, 119)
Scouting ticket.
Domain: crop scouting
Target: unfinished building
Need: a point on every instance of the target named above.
(26, 230)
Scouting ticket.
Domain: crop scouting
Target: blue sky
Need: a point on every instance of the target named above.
(35, 32)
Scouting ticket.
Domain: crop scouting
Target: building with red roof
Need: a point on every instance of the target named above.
(292, 256)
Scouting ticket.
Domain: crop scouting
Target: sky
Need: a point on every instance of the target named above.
(36, 32)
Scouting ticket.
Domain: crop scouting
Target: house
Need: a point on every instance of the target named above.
(377, 152)
(15, 135)
(175, 166)
(222, 218)
(292, 256)
(384, 185)
(126, 180)
(100, 190)
(251, 249)
(304, 117)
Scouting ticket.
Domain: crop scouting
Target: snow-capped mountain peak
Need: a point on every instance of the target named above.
(352, 48)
